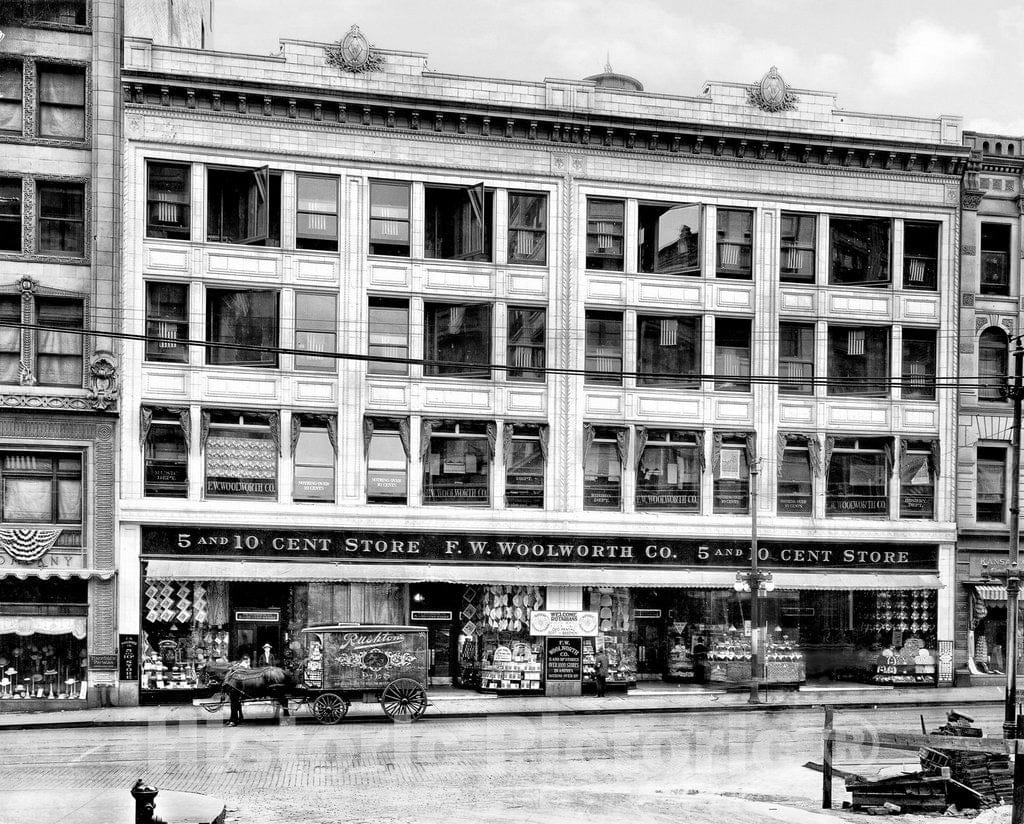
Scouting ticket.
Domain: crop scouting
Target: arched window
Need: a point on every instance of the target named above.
(993, 362)
(999, 148)
(1010, 148)
(984, 146)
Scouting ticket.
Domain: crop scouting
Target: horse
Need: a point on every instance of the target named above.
(243, 683)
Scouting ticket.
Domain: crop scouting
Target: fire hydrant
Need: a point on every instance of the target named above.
(145, 803)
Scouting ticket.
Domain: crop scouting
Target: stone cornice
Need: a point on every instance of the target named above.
(547, 127)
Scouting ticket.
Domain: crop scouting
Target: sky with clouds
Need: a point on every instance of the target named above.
(914, 57)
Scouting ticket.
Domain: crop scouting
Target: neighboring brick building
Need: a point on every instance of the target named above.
(576, 314)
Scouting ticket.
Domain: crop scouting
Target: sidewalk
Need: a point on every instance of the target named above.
(446, 702)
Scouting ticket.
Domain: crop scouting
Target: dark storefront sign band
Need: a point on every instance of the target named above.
(434, 548)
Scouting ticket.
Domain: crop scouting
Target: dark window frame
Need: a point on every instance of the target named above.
(735, 489)
(729, 340)
(917, 501)
(65, 221)
(16, 105)
(600, 348)
(606, 232)
(380, 242)
(843, 464)
(312, 237)
(163, 330)
(734, 258)
(687, 333)
(390, 429)
(387, 343)
(522, 489)
(474, 432)
(654, 255)
(463, 353)
(179, 204)
(795, 496)
(797, 253)
(654, 492)
(315, 334)
(78, 323)
(175, 466)
(519, 230)
(12, 218)
(254, 222)
(314, 425)
(856, 257)
(444, 208)
(796, 364)
(844, 379)
(995, 258)
(526, 356)
(54, 475)
(919, 364)
(600, 492)
(993, 365)
(920, 269)
(993, 508)
(43, 107)
(247, 424)
(255, 328)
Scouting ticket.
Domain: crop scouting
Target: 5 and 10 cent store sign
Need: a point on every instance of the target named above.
(434, 548)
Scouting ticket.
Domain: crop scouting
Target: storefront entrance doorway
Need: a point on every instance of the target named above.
(436, 607)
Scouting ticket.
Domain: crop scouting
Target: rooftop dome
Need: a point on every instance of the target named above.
(612, 80)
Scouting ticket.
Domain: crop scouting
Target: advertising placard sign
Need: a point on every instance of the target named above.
(563, 624)
(564, 658)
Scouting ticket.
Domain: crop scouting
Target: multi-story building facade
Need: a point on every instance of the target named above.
(441, 349)
(59, 254)
(990, 321)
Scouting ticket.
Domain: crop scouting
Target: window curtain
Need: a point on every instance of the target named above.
(813, 449)
(296, 432)
(506, 441)
(403, 435)
(329, 422)
(426, 430)
(933, 457)
(544, 434)
(204, 432)
(185, 419)
(60, 356)
(641, 442)
(492, 439)
(716, 453)
(830, 444)
(750, 443)
(588, 441)
(274, 422)
(698, 437)
(367, 435)
(890, 463)
(622, 446)
(145, 422)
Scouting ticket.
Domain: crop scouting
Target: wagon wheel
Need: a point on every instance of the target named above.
(403, 699)
(329, 708)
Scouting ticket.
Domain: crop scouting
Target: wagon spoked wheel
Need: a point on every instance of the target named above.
(329, 708)
(403, 700)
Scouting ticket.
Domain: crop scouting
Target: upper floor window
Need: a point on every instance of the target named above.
(34, 12)
(735, 243)
(995, 259)
(796, 358)
(10, 338)
(61, 218)
(313, 454)
(669, 241)
(243, 206)
(59, 360)
(458, 339)
(918, 468)
(246, 320)
(605, 233)
(12, 92)
(526, 343)
(604, 348)
(858, 361)
(525, 456)
(41, 488)
(386, 441)
(920, 255)
(730, 463)
(795, 490)
(389, 218)
(797, 236)
(61, 101)
(527, 228)
(166, 452)
(389, 336)
(459, 222)
(669, 470)
(732, 354)
(316, 215)
(166, 322)
(604, 455)
(241, 450)
(168, 200)
(457, 462)
(993, 364)
(860, 251)
(858, 477)
(990, 503)
(668, 351)
(919, 364)
(316, 330)
(10, 214)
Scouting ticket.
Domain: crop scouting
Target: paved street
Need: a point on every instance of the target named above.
(713, 767)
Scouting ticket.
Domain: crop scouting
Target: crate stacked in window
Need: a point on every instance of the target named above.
(988, 774)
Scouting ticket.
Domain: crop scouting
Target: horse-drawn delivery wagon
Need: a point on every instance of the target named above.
(362, 662)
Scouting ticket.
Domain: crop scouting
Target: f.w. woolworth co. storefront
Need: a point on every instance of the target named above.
(512, 614)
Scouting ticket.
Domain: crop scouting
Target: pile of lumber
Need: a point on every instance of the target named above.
(990, 775)
(912, 793)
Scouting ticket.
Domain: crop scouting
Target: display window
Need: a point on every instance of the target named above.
(730, 462)
(165, 433)
(457, 462)
(314, 448)
(604, 455)
(616, 636)
(525, 458)
(669, 470)
(858, 477)
(386, 441)
(918, 470)
(241, 450)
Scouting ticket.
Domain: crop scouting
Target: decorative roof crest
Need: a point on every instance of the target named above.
(771, 94)
(354, 53)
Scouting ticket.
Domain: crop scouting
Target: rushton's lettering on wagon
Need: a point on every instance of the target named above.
(364, 640)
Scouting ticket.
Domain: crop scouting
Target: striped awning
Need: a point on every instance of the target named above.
(992, 592)
(46, 573)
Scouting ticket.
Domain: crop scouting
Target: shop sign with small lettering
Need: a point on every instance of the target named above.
(564, 659)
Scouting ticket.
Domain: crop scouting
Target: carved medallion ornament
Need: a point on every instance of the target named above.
(771, 94)
(353, 53)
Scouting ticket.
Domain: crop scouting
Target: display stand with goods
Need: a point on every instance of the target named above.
(616, 636)
(52, 668)
(680, 659)
(728, 660)
(496, 651)
(512, 669)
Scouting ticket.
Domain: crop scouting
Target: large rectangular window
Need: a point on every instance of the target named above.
(241, 455)
(797, 235)
(389, 218)
(858, 361)
(167, 322)
(61, 101)
(312, 459)
(732, 477)
(732, 354)
(40, 488)
(995, 259)
(457, 470)
(605, 233)
(527, 228)
(59, 360)
(604, 348)
(859, 249)
(166, 454)
(168, 200)
(668, 351)
(243, 206)
(10, 338)
(10, 214)
(61, 218)
(34, 12)
(920, 255)
(919, 353)
(669, 241)
(857, 482)
(668, 473)
(316, 214)
(795, 495)
(796, 358)
(526, 343)
(990, 504)
(459, 222)
(316, 330)
(387, 460)
(735, 243)
(458, 340)
(917, 480)
(389, 336)
(993, 363)
(604, 454)
(524, 466)
(11, 97)
(243, 318)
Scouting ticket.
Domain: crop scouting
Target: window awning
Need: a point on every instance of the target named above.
(992, 592)
(25, 625)
(188, 570)
(45, 573)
